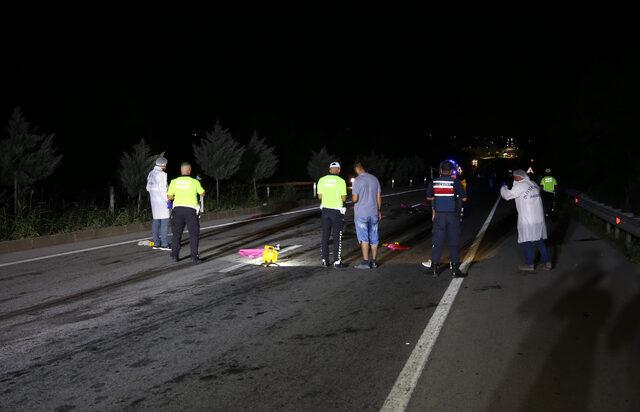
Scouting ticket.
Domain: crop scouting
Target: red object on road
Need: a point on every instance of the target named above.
(395, 246)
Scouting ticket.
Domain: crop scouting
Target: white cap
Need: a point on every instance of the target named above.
(334, 164)
(161, 161)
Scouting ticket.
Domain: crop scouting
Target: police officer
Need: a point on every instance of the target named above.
(446, 195)
(183, 192)
(548, 184)
(332, 192)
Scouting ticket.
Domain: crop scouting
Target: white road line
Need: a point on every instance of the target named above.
(71, 252)
(468, 259)
(405, 192)
(257, 261)
(237, 222)
(400, 394)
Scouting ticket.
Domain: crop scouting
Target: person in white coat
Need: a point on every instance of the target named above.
(532, 230)
(157, 188)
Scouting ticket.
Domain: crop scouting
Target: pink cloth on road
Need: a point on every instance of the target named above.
(251, 253)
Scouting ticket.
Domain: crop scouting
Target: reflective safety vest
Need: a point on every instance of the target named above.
(185, 188)
(332, 188)
(548, 184)
(446, 193)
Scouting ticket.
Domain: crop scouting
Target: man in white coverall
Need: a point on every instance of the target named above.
(157, 188)
(532, 229)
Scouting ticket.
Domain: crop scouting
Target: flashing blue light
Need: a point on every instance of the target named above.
(457, 170)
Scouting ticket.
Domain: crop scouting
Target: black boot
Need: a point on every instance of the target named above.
(455, 270)
(433, 270)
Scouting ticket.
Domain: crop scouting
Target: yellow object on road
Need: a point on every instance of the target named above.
(270, 255)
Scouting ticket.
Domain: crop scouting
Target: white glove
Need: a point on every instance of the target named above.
(343, 210)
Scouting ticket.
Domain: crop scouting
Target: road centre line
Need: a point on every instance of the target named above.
(255, 219)
(400, 395)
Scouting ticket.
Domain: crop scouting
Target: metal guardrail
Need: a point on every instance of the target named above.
(286, 184)
(312, 185)
(268, 186)
(615, 219)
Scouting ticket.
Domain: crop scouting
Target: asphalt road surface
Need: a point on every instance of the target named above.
(123, 328)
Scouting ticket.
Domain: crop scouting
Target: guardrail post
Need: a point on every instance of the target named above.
(616, 232)
(112, 200)
(315, 188)
(628, 240)
(410, 182)
(268, 191)
(608, 228)
(393, 182)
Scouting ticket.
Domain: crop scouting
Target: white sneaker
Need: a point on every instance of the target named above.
(162, 248)
(427, 264)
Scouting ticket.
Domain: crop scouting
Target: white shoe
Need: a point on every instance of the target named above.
(427, 264)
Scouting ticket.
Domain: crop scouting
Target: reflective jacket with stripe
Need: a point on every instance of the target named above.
(446, 193)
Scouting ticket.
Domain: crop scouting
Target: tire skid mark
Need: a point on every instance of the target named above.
(115, 341)
(138, 277)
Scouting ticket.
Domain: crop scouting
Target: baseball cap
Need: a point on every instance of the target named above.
(334, 164)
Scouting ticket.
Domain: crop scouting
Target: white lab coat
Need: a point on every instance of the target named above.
(157, 188)
(531, 224)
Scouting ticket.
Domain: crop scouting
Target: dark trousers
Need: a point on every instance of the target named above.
(530, 253)
(185, 216)
(446, 231)
(548, 200)
(332, 223)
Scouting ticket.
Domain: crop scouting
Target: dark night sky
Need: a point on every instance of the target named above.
(101, 81)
